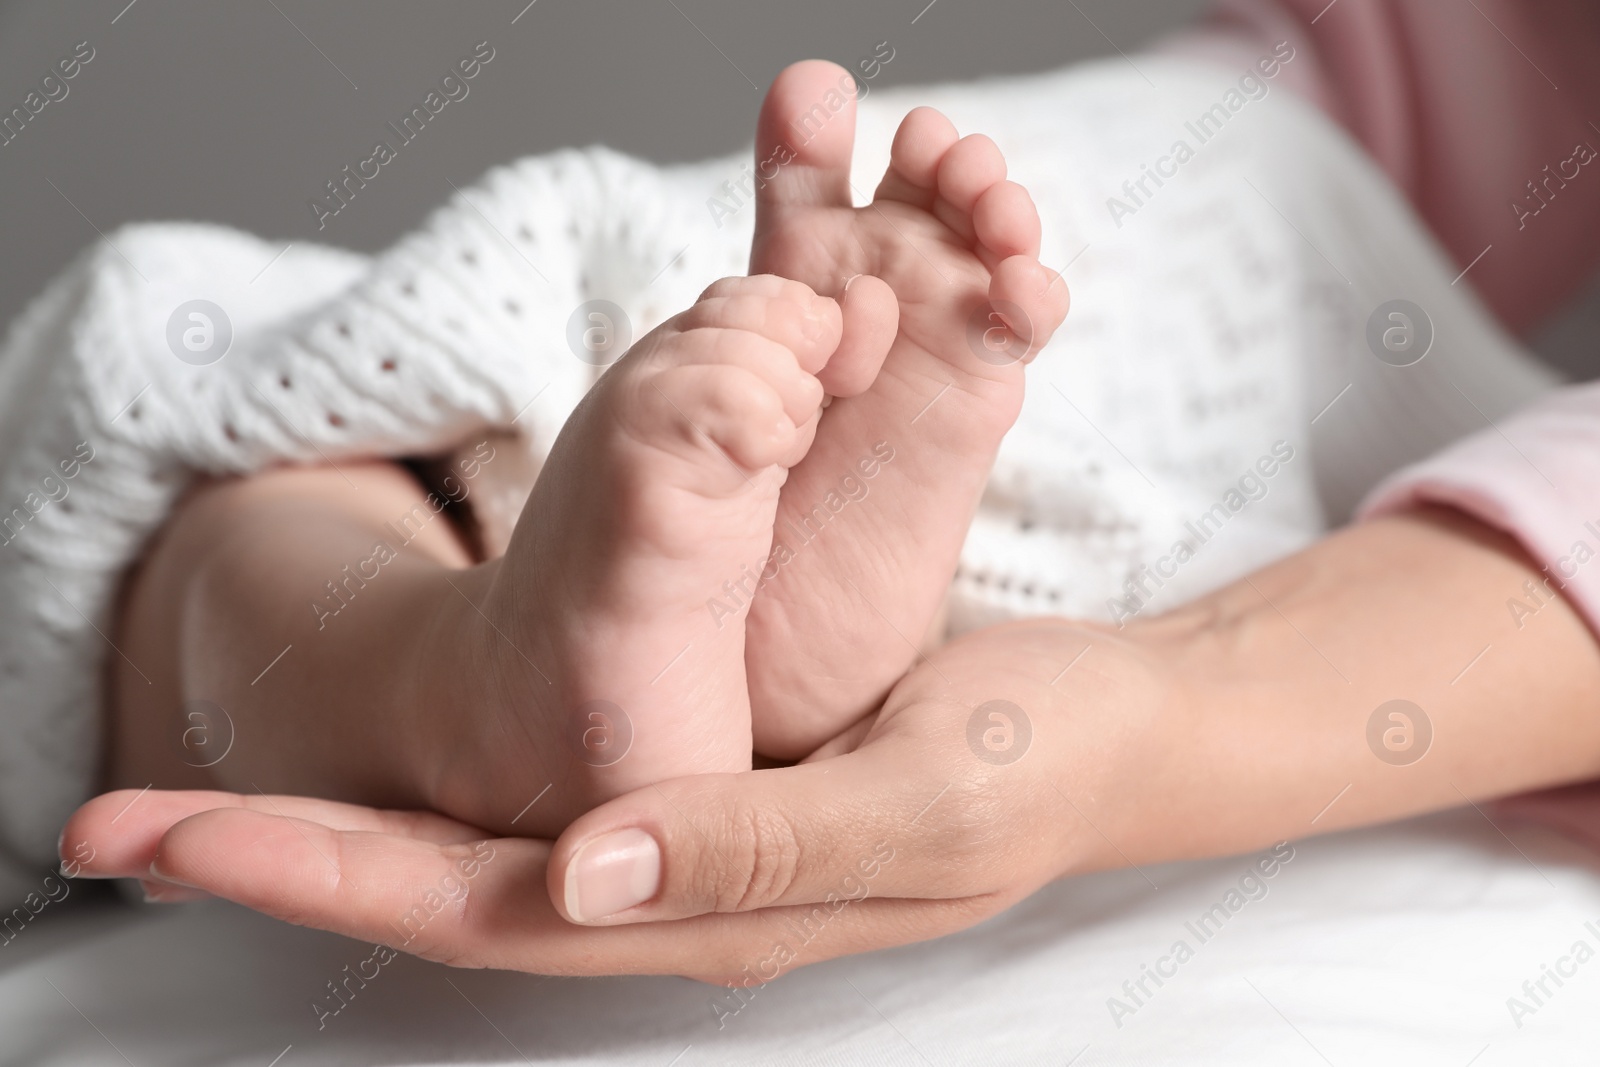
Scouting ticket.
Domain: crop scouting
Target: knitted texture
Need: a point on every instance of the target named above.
(1212, 325)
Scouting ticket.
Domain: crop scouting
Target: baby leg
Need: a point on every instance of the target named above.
(323, 631)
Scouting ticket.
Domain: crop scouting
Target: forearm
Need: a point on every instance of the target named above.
(1260, 731)
(223, 609)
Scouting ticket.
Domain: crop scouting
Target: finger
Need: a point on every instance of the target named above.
(752, 948)
(166, 893)
(115, 834)
(481, 904)
(804, 140)
(844, 827)
(871, 317)
(359, 883)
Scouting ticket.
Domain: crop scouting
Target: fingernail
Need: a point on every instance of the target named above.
(163, 893)
(612, 873)
(61, 844)
(74, 869)
(162, 876)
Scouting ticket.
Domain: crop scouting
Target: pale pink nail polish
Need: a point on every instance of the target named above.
(612, 873)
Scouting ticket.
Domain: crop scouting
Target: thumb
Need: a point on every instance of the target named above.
(837, 830)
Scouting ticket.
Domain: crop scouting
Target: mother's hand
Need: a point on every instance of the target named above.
(1255, 714)
(962, 797)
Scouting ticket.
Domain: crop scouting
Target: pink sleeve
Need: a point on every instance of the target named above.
(1480, 112)
(1537, 477)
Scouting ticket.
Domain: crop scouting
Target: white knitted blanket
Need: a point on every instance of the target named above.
(1177, 432)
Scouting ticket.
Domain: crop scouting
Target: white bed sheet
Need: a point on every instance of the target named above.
(1398, 945)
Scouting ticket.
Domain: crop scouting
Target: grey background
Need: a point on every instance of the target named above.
(239, 111)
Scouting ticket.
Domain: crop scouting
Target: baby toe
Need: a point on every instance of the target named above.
(806, 326)
(731, 407)
(871, 318)
(1006, 223)
(1031, 298)
(921, 142)
(971, 167)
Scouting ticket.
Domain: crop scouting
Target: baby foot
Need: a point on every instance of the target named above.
(596, 670)
(898, 469)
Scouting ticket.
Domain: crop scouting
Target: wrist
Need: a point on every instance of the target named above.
(1107, 712)
(1272, 720)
